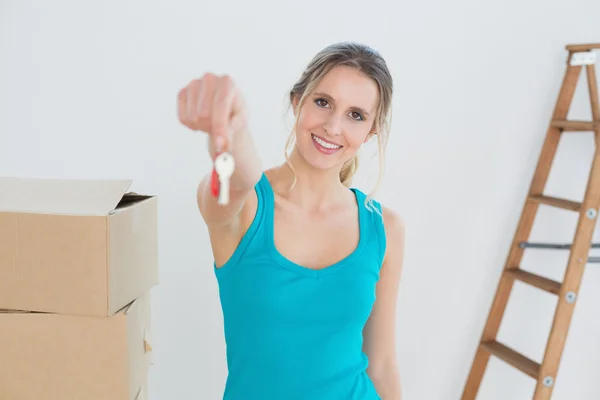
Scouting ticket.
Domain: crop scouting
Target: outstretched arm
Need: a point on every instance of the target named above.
(213, 104)
(380, 330)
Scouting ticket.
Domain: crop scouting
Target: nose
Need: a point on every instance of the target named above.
(333, 125)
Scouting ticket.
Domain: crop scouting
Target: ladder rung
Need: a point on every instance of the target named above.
(556, 202)
(575, 126)
(583, 47)
(535, 280)
(513, 358)
(554, 246)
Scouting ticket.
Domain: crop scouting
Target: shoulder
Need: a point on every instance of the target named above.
(395, 236)
(393, 224)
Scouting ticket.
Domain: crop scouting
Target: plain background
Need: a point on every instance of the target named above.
(88, 90)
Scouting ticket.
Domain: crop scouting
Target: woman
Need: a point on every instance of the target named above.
(308, 268)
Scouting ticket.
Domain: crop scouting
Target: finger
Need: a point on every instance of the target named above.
(223, 107)
(193, 91)
(182, 105)
(203, 104)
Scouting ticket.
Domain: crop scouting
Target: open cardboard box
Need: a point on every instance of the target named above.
(82, 247)
(57, 357)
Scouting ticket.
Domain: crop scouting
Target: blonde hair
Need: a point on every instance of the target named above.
(369, 62)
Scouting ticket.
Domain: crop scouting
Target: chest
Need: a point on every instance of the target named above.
(316, 241)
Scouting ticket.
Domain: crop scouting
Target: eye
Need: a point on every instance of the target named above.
(321, 102)
(357, 116)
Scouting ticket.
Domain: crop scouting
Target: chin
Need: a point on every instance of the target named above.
(322, 165)
(321, 161)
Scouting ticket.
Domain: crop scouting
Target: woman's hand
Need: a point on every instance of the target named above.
(213, 104)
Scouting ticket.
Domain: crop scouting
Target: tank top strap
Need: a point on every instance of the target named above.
(374, 227)
(265, 204)
(264, 192)
(255, 237)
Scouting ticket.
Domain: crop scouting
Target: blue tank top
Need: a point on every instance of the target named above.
(294, 333)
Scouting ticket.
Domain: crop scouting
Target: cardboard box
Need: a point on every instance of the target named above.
(74, 246)
(63, 357)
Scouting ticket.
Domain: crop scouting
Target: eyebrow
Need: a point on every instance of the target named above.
(328, 97)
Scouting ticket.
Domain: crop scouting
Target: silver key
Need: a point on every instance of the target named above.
(224, 166)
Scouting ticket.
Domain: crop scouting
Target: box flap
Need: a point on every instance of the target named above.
(61, 196)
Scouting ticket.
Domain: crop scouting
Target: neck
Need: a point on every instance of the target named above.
(314, 188)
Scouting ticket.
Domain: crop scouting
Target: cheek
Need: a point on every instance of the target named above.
(309, 119)
(355, 135)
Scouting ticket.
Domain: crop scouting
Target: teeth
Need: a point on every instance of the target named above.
(325, 144)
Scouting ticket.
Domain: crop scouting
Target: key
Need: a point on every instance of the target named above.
(224, 167)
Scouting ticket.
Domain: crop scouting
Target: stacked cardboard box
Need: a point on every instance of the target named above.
(78, 260)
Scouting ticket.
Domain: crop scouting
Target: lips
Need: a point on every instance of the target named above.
(325, 142)
(325, 146)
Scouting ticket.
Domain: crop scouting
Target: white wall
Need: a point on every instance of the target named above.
(87, 90)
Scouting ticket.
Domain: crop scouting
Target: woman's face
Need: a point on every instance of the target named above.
(337, 118)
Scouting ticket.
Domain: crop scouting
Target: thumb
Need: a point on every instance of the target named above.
(219, 143)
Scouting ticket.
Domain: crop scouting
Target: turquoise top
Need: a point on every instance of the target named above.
(295, 333)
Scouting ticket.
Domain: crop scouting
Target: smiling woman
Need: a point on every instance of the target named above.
(358, 83)
(308, 267)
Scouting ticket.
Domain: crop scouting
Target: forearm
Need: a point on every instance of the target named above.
(248, 170)
(387, 382)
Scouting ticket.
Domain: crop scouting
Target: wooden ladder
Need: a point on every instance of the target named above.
(579, 56)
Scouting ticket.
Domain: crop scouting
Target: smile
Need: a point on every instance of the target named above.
(325, 144)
